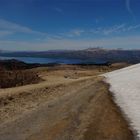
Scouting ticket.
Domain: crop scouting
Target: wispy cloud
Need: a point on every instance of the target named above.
(75, 32)
(68, 39)
(133, 27)
(123, 28)
(103, 31)
(11, 27)
(110, 30)
(128, 7)
(57, 9)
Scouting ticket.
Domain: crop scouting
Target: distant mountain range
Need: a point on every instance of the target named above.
(90, 54)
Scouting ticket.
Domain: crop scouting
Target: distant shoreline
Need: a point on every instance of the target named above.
(78, 56)
(43, 61)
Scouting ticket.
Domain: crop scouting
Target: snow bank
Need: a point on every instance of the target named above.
(125, 84)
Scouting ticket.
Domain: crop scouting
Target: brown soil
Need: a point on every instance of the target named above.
(107, 122)
(70, 104)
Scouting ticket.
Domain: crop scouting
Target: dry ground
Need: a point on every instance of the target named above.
(73, 103)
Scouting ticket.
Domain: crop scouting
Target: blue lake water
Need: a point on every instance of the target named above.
(44, 60)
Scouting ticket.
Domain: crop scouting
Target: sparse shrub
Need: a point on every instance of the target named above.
(17, 78)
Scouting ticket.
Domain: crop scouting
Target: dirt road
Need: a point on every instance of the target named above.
(74, 109)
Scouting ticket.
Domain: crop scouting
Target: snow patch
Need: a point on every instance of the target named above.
(125, 84)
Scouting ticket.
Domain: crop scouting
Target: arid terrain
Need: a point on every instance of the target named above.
(69, 103)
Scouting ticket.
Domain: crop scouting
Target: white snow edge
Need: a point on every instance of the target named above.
(125, 86)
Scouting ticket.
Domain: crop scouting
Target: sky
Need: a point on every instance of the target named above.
(40, 25)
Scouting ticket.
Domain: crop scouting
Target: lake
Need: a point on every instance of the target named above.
(44, 60)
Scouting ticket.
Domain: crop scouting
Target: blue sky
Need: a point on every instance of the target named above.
(69, 24)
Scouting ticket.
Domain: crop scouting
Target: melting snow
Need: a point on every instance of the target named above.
(125, 84)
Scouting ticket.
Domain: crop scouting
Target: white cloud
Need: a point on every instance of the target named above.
(16, 28)
(9, 28)
(109, 30)
(114, 29)
(75, 32)
(133, 27)
(57, 9)
(128, 7)
(63, 41)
